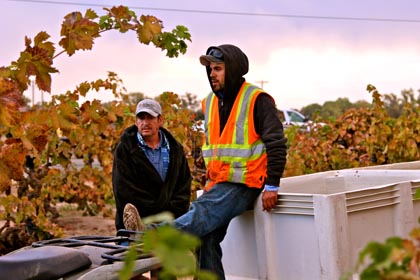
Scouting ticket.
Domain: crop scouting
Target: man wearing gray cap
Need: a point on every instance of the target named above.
(244, 151)
(150, 173)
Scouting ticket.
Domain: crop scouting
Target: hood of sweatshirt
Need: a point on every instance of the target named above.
(236, 66)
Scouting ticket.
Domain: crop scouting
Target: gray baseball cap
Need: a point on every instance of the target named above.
(212, 55)
(149, 106)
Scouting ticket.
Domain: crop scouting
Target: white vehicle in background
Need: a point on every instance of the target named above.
(290, 117)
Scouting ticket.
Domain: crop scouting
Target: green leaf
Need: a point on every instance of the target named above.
(129, 259)
(91, 14)
(173, 248)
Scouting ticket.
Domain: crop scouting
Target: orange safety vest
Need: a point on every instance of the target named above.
(238, 153)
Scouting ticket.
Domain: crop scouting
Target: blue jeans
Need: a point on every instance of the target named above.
(209, 217)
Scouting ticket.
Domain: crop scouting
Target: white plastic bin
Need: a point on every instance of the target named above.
(321, 223)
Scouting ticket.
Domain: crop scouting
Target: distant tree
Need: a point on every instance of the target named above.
(408, 96)
(362, 104)
(134, 97)
(336, 108)
(192, 102)
(394, 105)
(311, 111)
(330, 110)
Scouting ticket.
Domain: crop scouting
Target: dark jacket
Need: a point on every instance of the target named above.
(267, 121)
(135, 180)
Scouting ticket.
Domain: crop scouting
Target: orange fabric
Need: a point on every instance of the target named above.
(254, 173)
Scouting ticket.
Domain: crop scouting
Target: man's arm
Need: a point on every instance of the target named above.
(270, 128)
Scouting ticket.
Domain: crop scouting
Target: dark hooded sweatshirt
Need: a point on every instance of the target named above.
(135, 179)
(267, 121)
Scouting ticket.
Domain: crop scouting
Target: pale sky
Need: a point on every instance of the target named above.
(307, 51)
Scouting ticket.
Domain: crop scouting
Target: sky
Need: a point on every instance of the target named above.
(304, 51)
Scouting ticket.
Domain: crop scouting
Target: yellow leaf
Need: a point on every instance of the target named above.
(151, 28)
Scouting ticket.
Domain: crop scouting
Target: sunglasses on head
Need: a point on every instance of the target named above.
(216, 53)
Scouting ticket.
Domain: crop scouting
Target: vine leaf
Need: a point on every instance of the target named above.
(35, 60)
(150, 30)
(79, 31)
(122, 17)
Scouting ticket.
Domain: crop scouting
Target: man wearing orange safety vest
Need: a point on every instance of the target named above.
(244, 150)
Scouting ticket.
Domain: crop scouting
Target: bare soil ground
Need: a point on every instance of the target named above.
(75, 224)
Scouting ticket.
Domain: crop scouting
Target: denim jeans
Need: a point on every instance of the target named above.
(209, 217)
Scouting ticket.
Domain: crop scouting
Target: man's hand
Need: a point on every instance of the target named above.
(269, 200)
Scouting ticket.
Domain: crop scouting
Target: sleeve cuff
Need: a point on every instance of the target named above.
(271, 188)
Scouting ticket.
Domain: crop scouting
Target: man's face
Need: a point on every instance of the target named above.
(217, 75)
(148, 125)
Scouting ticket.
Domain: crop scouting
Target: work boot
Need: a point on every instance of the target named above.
(131, 218)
